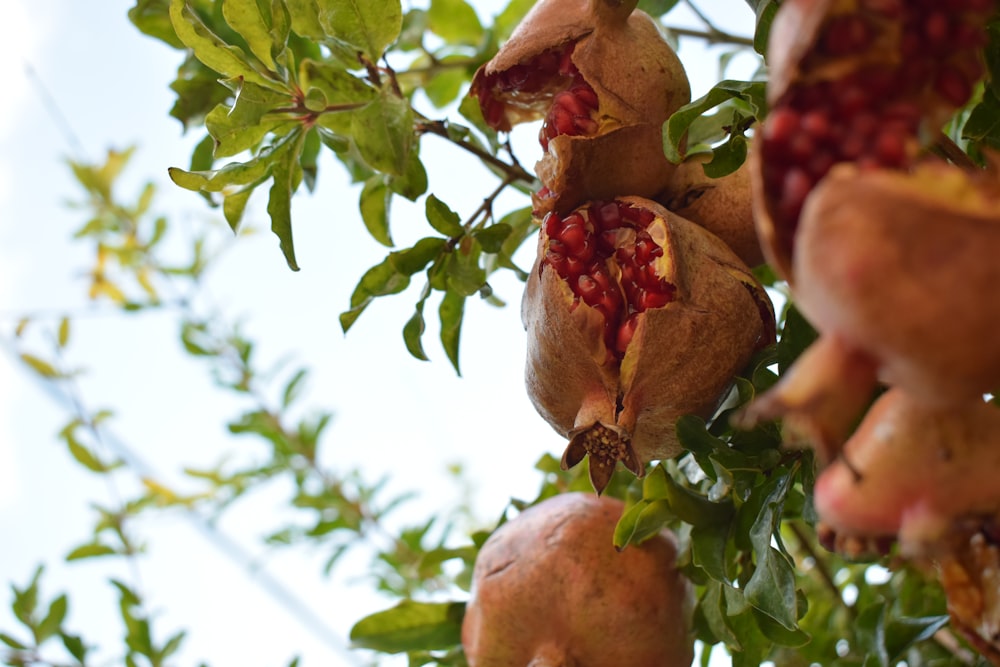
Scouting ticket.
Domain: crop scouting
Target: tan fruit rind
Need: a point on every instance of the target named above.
(550, 590)
(723, 205)
(681, 360)
(913, 470)
(901, 267)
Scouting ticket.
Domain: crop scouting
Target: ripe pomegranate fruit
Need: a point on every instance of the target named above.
(903, 268)
(899, 297)
(635, 317)
(856, 82)
(550, 590)
(720, 205)
(927, 475)
(604, 80)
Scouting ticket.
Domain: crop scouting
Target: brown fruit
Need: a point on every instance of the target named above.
(913, 471)
(550, 590)
(928, 476)
(720, 205)
(635, 317)
(903, 267)
(604, 80)
(859, 82)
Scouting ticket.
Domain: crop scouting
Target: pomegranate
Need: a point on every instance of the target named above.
(856, 81)
(635, 317)
(604, 80)
(720, 205)
(927, 475)
(550, 590)
(856, 87)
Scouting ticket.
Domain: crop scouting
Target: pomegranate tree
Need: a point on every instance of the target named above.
(635, 317)
(550, 590)
(604, 80)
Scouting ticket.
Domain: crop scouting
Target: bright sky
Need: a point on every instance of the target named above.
(394, 415)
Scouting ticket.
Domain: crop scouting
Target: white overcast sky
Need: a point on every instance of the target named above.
(394, 415)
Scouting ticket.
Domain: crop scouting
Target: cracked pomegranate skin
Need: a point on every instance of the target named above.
(617, 394)
(550, 590)
(604, 79)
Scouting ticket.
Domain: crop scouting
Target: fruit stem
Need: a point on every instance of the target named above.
(612, 12)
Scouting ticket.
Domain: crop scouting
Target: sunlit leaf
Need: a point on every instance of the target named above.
(383, 133)
(287, 175)
(374, 206)
(411, 626)
(454, 21)
(264, 31)
(451, 311)
(91, 550)
(366, 25)
(209, 48)
(442, 218)
(40, 366)
(674, 130)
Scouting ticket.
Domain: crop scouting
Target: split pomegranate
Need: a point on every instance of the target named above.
(889, 251)
(635, 317)
(859, 81)
(550, 590)
(927, 476)
(604, 80)
(720, 205)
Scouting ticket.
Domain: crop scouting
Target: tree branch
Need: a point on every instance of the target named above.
(513, 172)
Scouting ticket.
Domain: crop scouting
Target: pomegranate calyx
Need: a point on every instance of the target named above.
(605, 446)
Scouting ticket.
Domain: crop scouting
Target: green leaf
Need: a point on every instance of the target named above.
(286, 174)
(713, 607)
(983, 125)
(50, 625)
(727, 158)
(708, 550)
(87, 458)
(40, 366)
(233, 175)
(796, 335)
(451, 312)
(771, 588)
(492, 238)
(442, 218)
(379, 280)
(152, 17)
(413, 330)
(674, 130)
(365, 25)
(455, 21)
(265, 34)
(902, 633)
(75, 646)
(765, 12)
(413, 181)
(374, 205)
(209, 48)
(694, 508)
(244, 125)
(91, 550)
(13, 643)
(340, 87)
(383, 133)
(304, 16)
(63, 335)
(417, 258)
(411, 626)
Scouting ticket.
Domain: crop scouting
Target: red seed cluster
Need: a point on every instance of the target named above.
(549, 74)
(605, 255)
(871, 115)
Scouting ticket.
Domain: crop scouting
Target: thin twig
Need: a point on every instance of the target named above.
(819, 566)
(513, 172)
(954, 153)
(712, 33)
